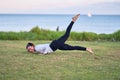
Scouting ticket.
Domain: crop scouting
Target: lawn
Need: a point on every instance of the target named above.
(17, 64)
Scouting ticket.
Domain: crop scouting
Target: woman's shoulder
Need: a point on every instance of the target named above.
(40, 45)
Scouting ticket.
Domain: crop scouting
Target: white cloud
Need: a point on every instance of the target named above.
(47, 6)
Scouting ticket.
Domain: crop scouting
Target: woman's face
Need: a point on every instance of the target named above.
(31, 49)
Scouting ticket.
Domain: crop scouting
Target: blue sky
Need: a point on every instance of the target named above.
(60, 6)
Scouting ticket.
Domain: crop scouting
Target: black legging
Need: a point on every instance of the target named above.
(60, 43)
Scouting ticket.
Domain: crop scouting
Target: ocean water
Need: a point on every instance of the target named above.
(25, 22)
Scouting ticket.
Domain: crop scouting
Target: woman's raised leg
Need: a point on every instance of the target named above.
(63, 38)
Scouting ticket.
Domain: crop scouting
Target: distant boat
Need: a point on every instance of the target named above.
(89, 15)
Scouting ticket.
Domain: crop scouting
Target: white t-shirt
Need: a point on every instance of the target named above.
(43, 48)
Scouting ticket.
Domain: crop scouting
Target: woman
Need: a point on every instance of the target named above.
(57, 44)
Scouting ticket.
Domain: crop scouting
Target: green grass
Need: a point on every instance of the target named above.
(41, 34)
(17, 64)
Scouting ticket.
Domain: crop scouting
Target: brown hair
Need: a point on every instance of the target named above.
(29, 44)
